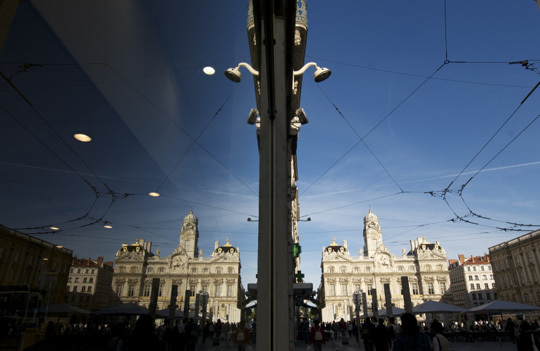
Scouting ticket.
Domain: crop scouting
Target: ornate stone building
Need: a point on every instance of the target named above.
(516, 267)
(218, 275)
(343, 274)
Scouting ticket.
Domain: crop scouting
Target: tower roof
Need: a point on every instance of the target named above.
(191, 218)
(371, 217)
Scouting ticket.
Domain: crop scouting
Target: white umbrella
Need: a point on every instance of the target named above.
(124, 309)
(437, 307)
(503, 306)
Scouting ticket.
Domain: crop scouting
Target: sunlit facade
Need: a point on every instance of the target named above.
(218, 275)
(471, 281)
(343, 274)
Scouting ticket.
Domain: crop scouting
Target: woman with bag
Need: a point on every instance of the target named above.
(316, 336)
(241, 337)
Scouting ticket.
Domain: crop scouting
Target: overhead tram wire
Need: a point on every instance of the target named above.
(125, 80)
(490, 139)
(375, 127)
(196, 139)
(361, 139)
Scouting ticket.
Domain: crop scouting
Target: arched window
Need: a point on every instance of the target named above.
(161, 270)
(356, 270)
(343, 269)
(368, 269)
(331, 269)
(218, 271)
(133, 269)
(230, 270)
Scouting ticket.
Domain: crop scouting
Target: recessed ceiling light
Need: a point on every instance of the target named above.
(54, 228)
(154, 194)
(209, 70)
(107, 226)
(45, 259)
(82, 138)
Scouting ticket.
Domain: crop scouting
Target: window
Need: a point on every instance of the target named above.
(160, 290)
(69, 279)
(85, 280)
(76, 279)
(131, 289)
(193, 270)
(89, 289)
(475, 277)
(486, 286)
(78, 270)
(478, 286)
(356, 287)
(369, 288)
(356, 270)
(161, 270)
(119, 289)
(474, 296)
(482, 268)
(150, 270)
(192, 288)
(342, 269)
(488, 296)
(484, 277)
(400, 268)
(205, 271)
(122, 269)
(83, 289)
(230, 270)
(415, 290)
(330, 269)
(230, 291)
(344, 289)
(470, 277)
(472, 286)
(86, 271)
(91, 280)
(218, 270)
(368, 269)
(480, 296)
(468, 269)
(75, 289)
(474, 269)
(442, 286)
(332, 290)
(431, 290)
(146, 290)
(493, 285)
(92, 271)
(428, 268)
(218, 290)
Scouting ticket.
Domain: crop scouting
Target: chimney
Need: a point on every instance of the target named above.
(412, 245)
(141, 241)
(216, 245)
(100, 261)
(461, 258)
(345, 244)
(149, 246)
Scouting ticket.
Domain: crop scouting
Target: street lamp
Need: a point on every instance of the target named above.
(235, 75)
(321, 73)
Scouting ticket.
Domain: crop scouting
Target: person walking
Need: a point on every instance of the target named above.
(440, 342)
(410, 338)
(316, 336)
(241, 336)
(368, 335)
(382, 336)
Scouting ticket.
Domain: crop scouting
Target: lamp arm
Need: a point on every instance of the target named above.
(250, 69)
(303, 69)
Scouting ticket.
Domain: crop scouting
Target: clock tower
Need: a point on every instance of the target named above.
(372, 234)
(189, 235)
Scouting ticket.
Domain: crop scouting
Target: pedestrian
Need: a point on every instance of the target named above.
(382, 336)
(510, 328)
(241, 336)
(410, 338)
(143, 337)
(316, 336)
(368, 335)
(526, 340)
(440, 342)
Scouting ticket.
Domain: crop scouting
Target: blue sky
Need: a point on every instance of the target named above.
(417, 91)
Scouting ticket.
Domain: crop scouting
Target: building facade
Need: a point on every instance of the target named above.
(516, 268)
(218, 275)
(472, 281)
(32, 265)
(342, 274)
(90, 284)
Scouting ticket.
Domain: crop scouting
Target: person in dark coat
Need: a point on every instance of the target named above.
(525, 340)
(143, 337)
(410, 338)
(382, 336)
(368, 335)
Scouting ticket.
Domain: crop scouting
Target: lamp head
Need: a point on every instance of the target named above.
(253, 116)
(233, 74)
(321, 73)
(301, 114)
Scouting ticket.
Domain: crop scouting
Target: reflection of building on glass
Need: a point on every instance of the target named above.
(424, 264)
(32, 271)
(218, 275)
(90, 284)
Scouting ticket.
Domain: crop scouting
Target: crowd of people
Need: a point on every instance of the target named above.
(384, 335)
